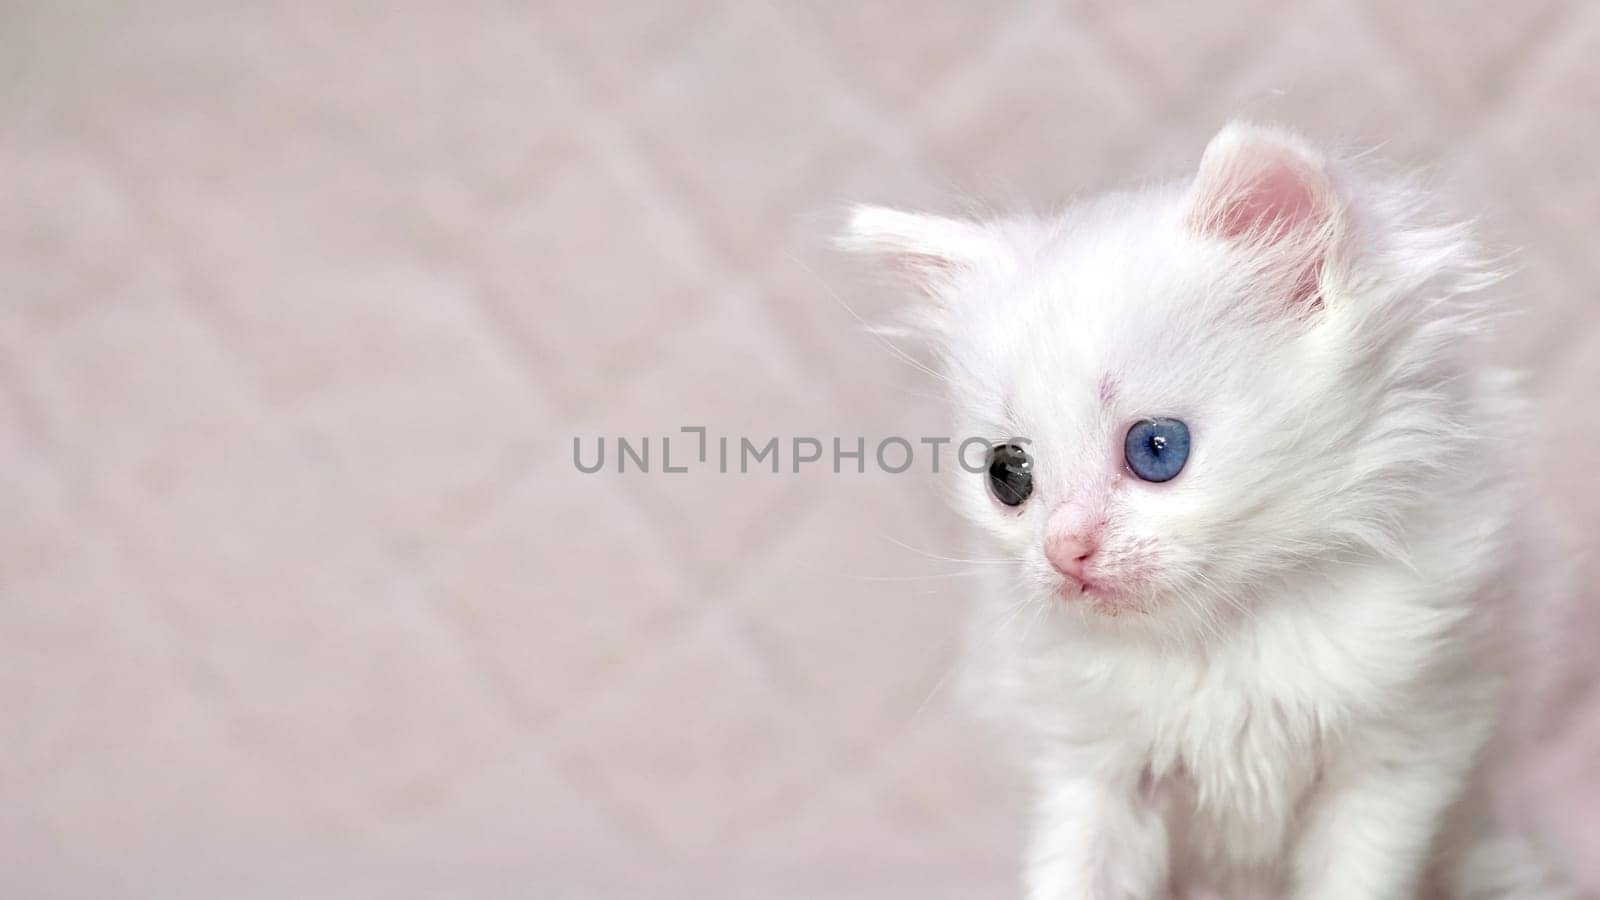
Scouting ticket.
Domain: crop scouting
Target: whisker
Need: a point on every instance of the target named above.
(994, 631)
(903, 545)
(892, 578)
(1041, 613)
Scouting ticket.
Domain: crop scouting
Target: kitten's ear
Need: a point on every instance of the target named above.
(1270, 190)
(930, 252)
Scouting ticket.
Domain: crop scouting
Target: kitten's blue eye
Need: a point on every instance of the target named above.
(1156, 449)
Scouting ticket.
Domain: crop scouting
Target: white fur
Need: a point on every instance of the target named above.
(1294, 692)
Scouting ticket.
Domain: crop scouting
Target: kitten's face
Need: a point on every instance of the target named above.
(1202, 409)
(1164, 431)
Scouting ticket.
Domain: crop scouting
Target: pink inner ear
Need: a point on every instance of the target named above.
(1260, 188)
(1258, 183)
(1279, 199)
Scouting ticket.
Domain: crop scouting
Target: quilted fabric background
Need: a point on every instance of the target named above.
(302, 305)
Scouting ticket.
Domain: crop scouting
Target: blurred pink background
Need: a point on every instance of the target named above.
(303, 304)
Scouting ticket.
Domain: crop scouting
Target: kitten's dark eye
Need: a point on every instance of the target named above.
(1156, 449)
(1010, 474)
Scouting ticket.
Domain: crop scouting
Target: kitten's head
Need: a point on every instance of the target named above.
(1220, 382)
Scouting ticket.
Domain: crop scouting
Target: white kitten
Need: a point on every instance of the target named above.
(1264, 527)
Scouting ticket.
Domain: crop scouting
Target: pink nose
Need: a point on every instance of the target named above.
(1070, 553)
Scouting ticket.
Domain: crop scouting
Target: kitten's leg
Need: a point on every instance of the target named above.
(1369, 829)
(1092, 841)
(1506, 867)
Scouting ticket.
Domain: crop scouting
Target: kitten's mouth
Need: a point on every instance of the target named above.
(1098, 595)
(1096, 598)
(1080, 587)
